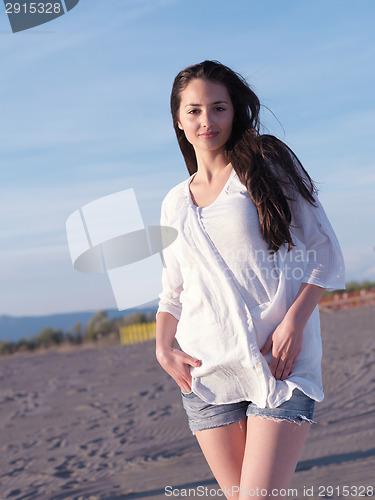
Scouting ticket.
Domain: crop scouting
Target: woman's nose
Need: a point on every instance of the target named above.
(206, 119)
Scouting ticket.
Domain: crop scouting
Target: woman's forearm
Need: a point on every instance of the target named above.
(285, 342)
(166, 326)
(306, 300)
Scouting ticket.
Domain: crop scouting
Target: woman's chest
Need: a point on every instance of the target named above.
(230, 225)
(232, 214)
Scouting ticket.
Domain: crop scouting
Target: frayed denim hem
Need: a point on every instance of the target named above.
(299, 419)
(216, 425)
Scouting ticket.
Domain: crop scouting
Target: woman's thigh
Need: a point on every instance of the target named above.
(223, 448)
(271, 454)
(221, 433)
(274, 441)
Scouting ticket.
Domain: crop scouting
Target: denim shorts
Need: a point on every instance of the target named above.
(201, 415)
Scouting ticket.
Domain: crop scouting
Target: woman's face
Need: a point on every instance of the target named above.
(206, 115)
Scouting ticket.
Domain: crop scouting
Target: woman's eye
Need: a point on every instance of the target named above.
(219, 108)
(193, 111)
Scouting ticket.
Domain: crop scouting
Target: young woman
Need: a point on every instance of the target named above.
(241, 283)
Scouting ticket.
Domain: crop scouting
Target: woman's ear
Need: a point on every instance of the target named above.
(180, 126)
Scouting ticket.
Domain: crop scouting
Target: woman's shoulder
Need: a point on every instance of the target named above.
(176, 195)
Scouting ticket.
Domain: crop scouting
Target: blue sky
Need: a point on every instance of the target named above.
(84, 112)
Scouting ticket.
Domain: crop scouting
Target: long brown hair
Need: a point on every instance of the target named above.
(262, 162)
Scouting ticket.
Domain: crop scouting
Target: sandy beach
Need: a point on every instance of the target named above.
(108, 423)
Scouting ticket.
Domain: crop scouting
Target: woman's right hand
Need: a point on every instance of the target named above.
(176, 363)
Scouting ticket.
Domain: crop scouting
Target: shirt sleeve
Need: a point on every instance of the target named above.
(172, 281)
(325, 261)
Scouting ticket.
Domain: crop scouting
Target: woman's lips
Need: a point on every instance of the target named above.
(209, 135)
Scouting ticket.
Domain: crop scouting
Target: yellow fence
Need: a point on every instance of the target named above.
(134, 334)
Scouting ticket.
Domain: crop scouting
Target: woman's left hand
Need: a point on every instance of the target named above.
(286, 344)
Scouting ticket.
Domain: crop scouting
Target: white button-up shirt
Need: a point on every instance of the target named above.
(229, 292)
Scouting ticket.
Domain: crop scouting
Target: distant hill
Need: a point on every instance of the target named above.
(13, 328)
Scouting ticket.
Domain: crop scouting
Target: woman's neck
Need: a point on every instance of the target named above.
(211, 164)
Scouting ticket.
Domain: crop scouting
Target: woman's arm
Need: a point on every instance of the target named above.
(325, 270)
(286, 340)
(166, 326)
(173, 361)
(306, 300)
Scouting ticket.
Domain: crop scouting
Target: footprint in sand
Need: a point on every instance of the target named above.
(161, 412)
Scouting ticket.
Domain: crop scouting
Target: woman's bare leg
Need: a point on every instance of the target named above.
(223, 448)
(271, 455)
